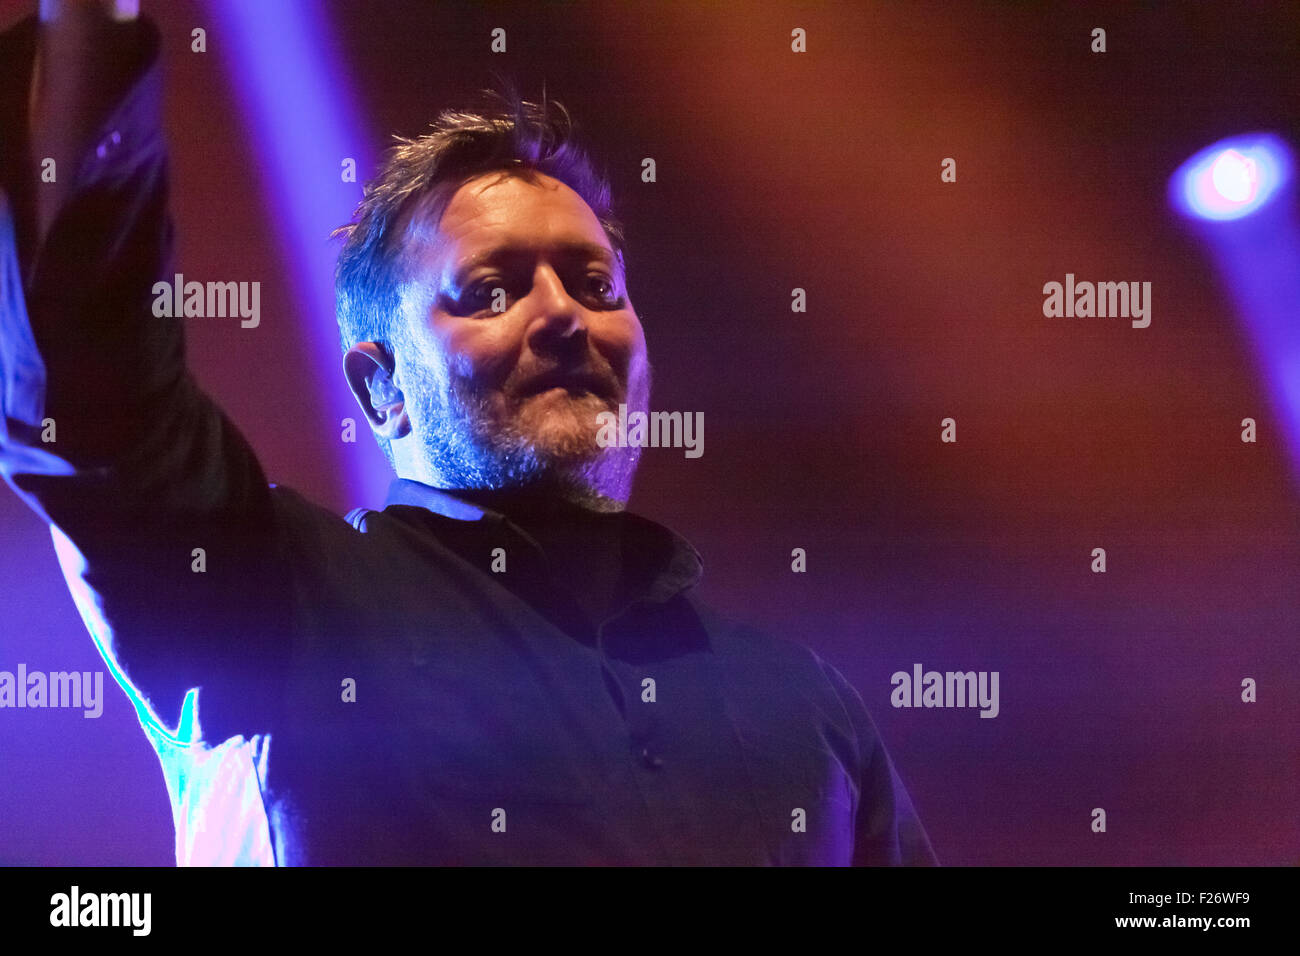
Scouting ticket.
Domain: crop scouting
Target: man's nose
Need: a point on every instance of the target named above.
(559, 324)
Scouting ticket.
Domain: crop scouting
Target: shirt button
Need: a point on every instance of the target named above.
(110, 142)
(651, 759)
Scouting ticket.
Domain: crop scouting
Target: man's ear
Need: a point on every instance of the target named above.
(369, 371)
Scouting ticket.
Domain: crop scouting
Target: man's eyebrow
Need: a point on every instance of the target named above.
(567, 250)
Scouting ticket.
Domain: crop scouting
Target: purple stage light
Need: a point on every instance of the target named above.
(1233, 178)
(1238, 194)
(300, 113)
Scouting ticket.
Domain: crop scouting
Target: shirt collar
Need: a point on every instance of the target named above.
(404, 491)
(681, 569)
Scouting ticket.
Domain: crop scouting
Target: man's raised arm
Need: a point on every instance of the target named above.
(161, 509)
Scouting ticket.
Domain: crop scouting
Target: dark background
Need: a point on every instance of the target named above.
(821, 171)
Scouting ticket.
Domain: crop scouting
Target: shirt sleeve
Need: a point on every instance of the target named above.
(887, 829)
(161, 515)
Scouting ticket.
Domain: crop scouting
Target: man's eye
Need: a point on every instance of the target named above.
(602, 288)
(483, 295)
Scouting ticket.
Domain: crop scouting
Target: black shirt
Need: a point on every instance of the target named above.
(378, 689)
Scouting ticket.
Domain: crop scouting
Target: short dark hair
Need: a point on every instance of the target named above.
(417, 180)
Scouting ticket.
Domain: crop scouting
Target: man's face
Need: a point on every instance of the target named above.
(509, 398)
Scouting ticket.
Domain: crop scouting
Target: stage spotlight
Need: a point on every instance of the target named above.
(1231, 179)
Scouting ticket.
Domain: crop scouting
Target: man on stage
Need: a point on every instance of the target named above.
(501, 666)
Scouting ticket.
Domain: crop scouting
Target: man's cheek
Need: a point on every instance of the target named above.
(637, 374)
(623, 353)
(485, 363)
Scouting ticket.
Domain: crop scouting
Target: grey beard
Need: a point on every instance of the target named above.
(464, 447)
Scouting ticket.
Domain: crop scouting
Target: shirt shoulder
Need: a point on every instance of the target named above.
(774, 679)
(778, 664)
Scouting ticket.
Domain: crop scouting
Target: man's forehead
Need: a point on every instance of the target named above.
(494, 218)
(506, 203)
